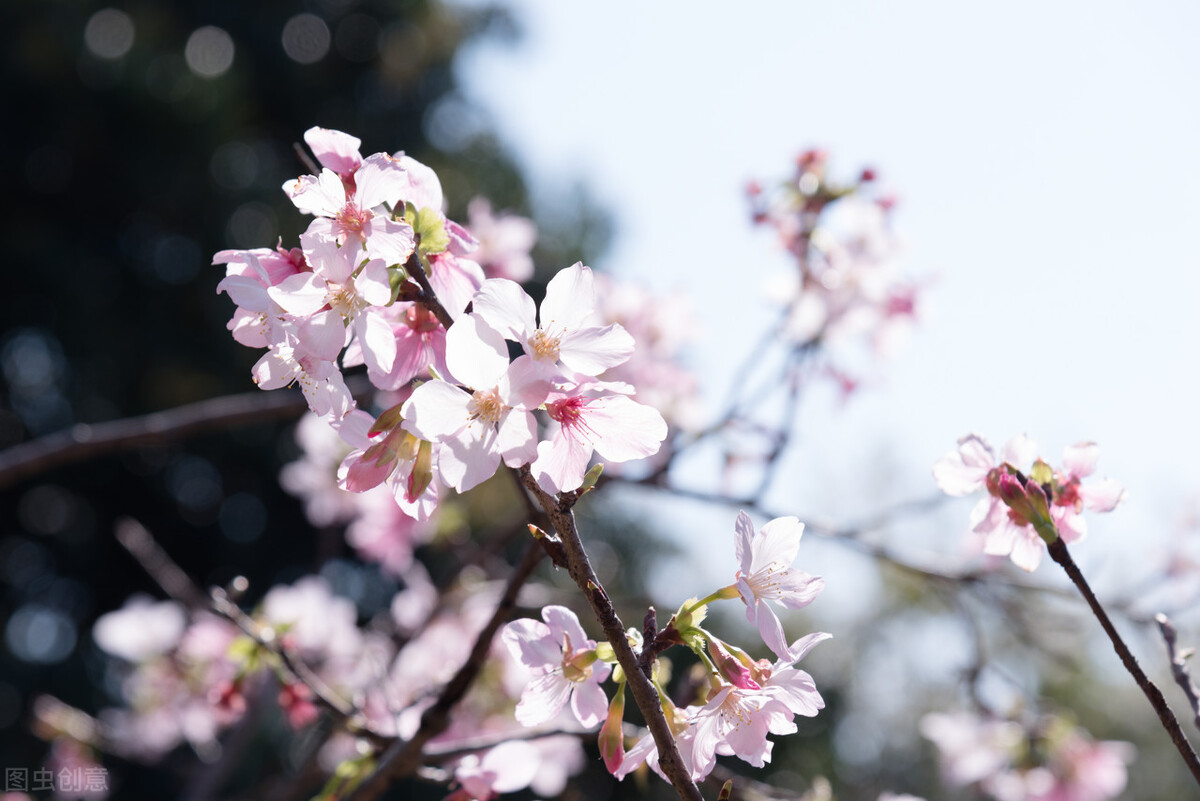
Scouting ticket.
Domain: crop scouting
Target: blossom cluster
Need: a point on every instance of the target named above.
(383, 279)
(187, 679)
(1028, 503)
(1053, 760)
(741, 700)
(846, 285)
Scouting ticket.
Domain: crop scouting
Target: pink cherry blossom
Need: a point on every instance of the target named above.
(505, 241)
(248, 275)
(565, 668)
(337, 151)
(765, 574)
(141, 629)
(614, 426)
(1072, 497)
(342, 290)
(358, 218)
(566, 329)
(486, 423)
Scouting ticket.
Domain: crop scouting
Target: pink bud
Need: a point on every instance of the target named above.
(612, 739)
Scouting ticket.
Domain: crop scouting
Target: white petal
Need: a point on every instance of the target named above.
(436, 410)
(591, 351)
(623, 429)
(507, 308)
(475, 353)
(378, 341)
(570, 299)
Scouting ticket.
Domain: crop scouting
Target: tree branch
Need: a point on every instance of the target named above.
(1060, 554)
(1179, 665)
(644, 693)
(404, 758)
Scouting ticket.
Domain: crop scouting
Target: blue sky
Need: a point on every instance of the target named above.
(1046, 164)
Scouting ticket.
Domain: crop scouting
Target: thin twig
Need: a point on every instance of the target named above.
(1060, 554)
(174, 581)
(404, 758)
(1179, 665)
(264, 635)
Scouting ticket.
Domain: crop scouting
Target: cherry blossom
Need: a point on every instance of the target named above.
(765, 574)
(505, 241)
(356, 218)
(480, 426)
(565, 668)
(566, 329)
(617, 428)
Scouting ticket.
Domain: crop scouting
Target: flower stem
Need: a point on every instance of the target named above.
(1059, 553)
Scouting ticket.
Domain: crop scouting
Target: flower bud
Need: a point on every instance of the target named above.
(612, 739)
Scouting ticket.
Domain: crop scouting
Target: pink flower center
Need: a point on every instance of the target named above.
(567, 411)
(351, 219)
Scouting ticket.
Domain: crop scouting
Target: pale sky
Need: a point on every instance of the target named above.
(1045, 157)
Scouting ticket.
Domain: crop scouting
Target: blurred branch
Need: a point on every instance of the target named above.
(175, 582)
(89, 441)
(265, 637)
(403, 758)
(1179, 665)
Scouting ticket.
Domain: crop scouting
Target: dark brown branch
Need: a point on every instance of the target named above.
(644, 693)
(1179, 665)
(82, 442)
(1060, 554)
(428, 297)
(404, 758)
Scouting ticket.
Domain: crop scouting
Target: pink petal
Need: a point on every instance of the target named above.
(301, 294)
(476, 353)
(373, 284)
(323, 335)
(562, 620)
(455, 281)
(1102, 496)
(1079, 460)
(379, 180)
(469, 458)
(589, 703)
(378, 341)
(506, 307)
(800, 648)
(321, 195)
(771, 629)
(1027, 551)
(591, 351)
(561, 463)
(543, 698)
(532, 644)
(517, 438)
(623, 429)
(777, 543)
(436, 410)
(247, 293)
(743, 542)
(570, 299)
(336, 150)
(390, 240)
